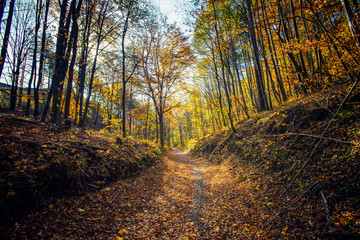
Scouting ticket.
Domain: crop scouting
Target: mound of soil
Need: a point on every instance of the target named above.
(41, 163)
(308, 183)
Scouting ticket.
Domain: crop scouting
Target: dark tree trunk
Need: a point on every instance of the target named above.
(62, 66)
(6, 36)
(83, 62)
(124, 81)
(59, 62)
(2, 7)
(15, 82)
(41, 66)
(73, 44)
(353, 23)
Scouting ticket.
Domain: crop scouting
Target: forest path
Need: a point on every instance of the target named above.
(181, 197)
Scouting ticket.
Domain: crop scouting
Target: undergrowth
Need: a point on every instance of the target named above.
(317, 199)
(40, 163)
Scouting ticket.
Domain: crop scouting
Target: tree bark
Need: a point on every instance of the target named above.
(124, 80)
(262, 103)
(2, 7)
(353, 23)
(6, 36)
(73, 44)
(41, 66)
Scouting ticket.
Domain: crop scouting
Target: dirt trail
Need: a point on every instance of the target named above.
(179, 198)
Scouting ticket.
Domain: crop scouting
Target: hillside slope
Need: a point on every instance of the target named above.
(41, 163)
(305, 185)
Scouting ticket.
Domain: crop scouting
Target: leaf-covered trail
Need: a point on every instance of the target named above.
(179, 198)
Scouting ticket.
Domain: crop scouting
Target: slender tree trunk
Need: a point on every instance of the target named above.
(21, 90)
(59, 64)
(352, 19)
(100, 22)
(6, 36)
(63, 66)
(41, 66)
(258, 70)
(223, 70)
(273, 54)
(73, 44)
(124, 81)
(33, 67)
(2, 7)
(15, 82)
(161, 128)
(218, 86)
(83, 62)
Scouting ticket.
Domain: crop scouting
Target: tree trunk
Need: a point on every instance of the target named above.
(2, 7)
(262, 103)
(41, 66)
(124, 81)
(6, 36)
(62, 66)
(83, 61)
(15, 82)
(353, 23)
(100, 22)
(59, 64)
(73, 44)
(223, 71)
(161, 129)
(33, 66)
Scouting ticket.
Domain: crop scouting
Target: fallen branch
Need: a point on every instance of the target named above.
(321, 137)
(313, 136)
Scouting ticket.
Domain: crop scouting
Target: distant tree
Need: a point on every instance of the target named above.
(167, 57)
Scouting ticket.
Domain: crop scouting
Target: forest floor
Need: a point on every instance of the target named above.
(181, 197)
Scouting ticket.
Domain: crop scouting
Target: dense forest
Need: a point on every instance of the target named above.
(243, 77)
(120, 66)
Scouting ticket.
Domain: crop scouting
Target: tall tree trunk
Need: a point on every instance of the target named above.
(262, 103)
(79, 98)
(21, 89)
(273, 54)
(124, 81)
(352, 19)
(2, 7)
(41, 66)
(33, 66)
(6, 36)
(59, 64)
(73, 44)
(101, 21)
(218, 86)
(15, 82)
(161, 128)
(223, 70)
(62, 66)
